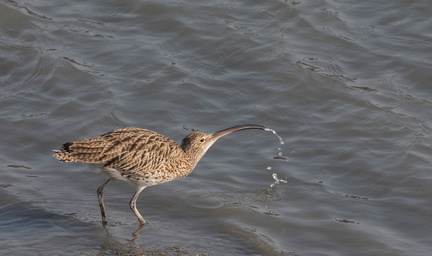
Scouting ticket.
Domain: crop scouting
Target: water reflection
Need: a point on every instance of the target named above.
(136, 246)
(111, 243)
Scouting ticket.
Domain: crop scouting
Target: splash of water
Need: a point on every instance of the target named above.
(279, 156)
(277, 180)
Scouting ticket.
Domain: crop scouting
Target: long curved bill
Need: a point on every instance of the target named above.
(237, 128)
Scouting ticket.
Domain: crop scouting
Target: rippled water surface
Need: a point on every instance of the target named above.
(346, 84)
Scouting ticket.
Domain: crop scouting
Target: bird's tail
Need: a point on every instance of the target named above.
(80, 151)
(64, 153)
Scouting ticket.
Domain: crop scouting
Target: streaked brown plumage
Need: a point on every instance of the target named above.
(142, 157)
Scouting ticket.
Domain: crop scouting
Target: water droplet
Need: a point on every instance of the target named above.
(274, 132)
(280, 154)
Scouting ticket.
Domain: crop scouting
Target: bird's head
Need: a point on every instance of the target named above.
(196, 144)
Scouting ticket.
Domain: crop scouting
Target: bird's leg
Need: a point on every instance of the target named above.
(100, 198)
(132, 205)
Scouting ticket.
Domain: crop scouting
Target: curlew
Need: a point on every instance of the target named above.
(142, 157)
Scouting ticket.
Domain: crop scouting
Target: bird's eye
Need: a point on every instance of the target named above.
(202, 140)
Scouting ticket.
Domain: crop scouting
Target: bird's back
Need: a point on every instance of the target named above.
(137, 154)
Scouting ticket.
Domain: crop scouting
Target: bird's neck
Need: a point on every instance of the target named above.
(194, 157)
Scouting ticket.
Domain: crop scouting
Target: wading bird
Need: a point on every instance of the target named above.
(142, 157)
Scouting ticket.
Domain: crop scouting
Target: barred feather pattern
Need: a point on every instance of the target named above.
(131, 154)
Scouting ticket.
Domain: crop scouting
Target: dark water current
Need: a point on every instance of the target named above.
(346, 84)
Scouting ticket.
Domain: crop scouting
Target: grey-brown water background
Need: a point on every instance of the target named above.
(345, 83)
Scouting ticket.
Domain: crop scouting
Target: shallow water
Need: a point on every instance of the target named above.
(345, 84)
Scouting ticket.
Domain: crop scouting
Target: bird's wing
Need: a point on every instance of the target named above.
(139, 149)
(124, 148)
